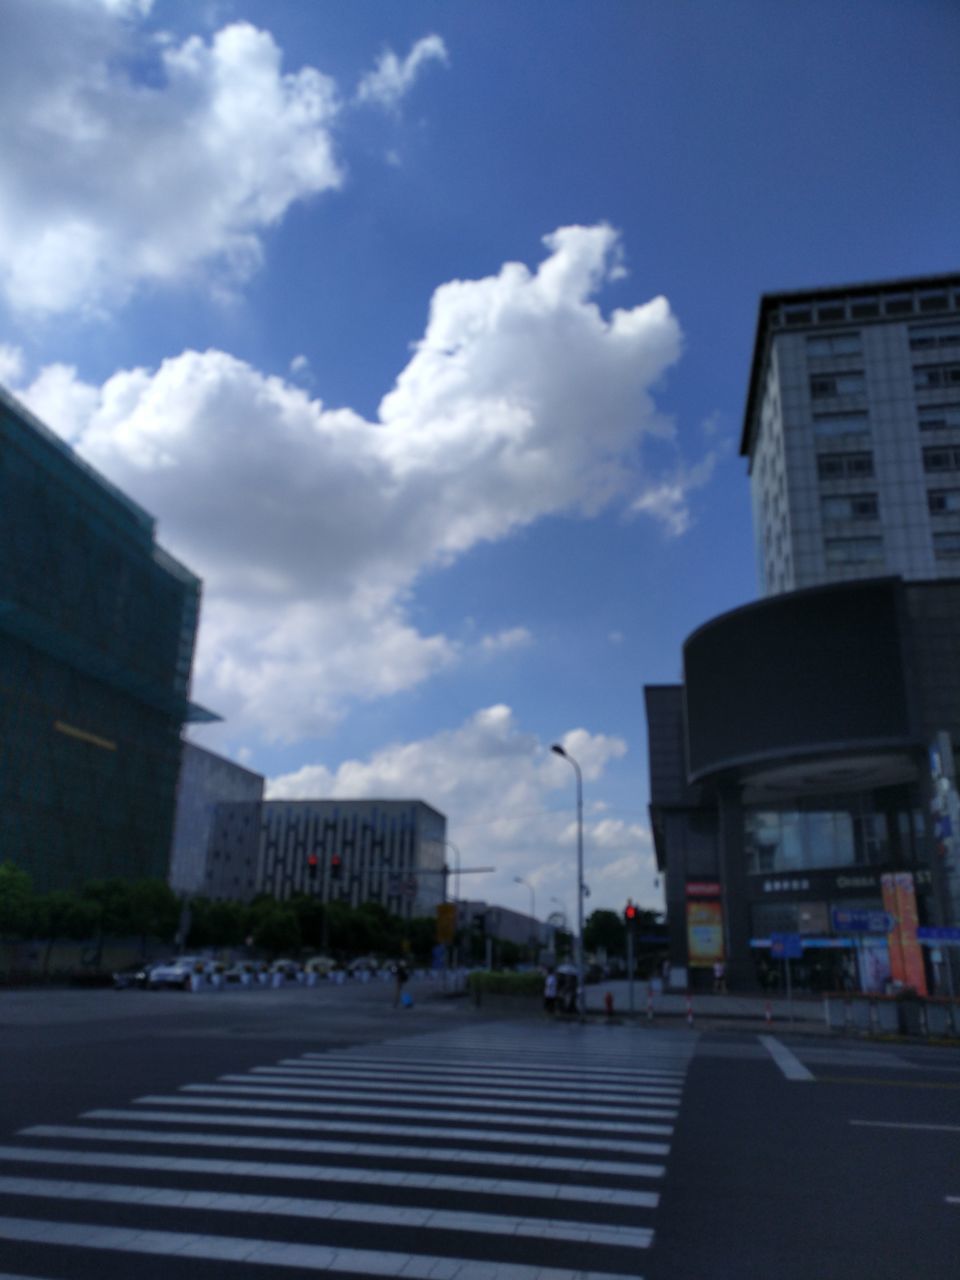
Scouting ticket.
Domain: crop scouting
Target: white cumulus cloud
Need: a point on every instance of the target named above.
(393, 78)
(508, 800)
(111, 178)
(311, 525)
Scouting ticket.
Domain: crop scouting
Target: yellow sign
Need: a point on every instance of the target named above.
(446, 922)
(704, 934)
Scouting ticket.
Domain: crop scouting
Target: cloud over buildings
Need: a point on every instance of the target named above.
(310, 525)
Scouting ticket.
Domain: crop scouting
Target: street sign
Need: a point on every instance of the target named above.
(938, 935)
(786, 946)
(849, 920)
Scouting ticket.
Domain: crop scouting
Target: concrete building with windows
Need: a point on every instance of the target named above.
(852, 433)
(206, 781)
(97, 627)
(350, 851)
(806, 767)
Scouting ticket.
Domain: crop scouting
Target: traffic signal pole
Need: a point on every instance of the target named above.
(630, 966)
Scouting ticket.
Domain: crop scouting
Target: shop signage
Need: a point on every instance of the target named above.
(938, 935)
(703, 888)
(786, 946)
(861, 921)
(826, 883)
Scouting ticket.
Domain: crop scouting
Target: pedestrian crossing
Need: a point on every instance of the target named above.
(501, 1152)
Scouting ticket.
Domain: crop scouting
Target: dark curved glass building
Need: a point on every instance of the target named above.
(803, 777)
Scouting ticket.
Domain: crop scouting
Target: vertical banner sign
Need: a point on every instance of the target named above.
(704, 934)
(906, 953)
(446, 922)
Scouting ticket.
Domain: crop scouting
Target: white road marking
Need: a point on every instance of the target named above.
(564, 1076)
(251, 1142)
(548, 1189)
(479, 1135)
(263, 1086)
(546, 1087)
(425, 1219)
(246, 1104)
(789, 1063)
(307, 1257)
(896, 1124)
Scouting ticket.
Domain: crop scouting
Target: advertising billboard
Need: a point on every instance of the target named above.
(704, 934)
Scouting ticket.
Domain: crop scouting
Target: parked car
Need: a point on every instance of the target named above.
(368, 963)
(176, 973)
(132, 975)
(289, 968)
(320, 965)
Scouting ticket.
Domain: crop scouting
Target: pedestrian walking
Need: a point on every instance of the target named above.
(401, 974)
(550, 992)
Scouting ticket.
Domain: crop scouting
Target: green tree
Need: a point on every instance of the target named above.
(152, 911)
(311, 919)
(278, 931)
(61, 914)
(605, 929)
(17, 902)
(421, 933)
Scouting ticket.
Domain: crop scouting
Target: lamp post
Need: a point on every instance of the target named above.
(533, 908)
(557, 749)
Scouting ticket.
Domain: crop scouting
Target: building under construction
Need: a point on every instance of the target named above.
(97, 628)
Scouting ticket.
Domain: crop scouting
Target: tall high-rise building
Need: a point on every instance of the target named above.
(852, 433)
(97, 627)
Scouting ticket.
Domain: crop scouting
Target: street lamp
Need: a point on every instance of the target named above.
(533, 907)
(559, 751)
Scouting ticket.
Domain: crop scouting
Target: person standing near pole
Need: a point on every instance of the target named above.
(550, 992)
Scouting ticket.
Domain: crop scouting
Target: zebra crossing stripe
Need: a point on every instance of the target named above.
(491, 1077)
(576, 1077)
(342, 1175)
(337, 1108)
(424, 1219)
(387, 1151)
(479, 1135)
(276, 1253)
(427, 1083)
(419, 1098)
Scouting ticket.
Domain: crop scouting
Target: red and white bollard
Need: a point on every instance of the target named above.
(649, 1003)
(689, 1011)
(768, 1012)
(608, 1004)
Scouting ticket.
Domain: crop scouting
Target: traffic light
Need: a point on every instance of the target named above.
(312, 866)
(630, 914)
(335, 867)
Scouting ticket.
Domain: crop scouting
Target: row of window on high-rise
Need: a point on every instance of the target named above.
(927, 302)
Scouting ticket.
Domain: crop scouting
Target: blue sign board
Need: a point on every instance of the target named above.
(853, 921)
(934, 935)
(786, 946)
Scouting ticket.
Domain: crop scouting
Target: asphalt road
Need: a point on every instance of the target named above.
(280, 1133)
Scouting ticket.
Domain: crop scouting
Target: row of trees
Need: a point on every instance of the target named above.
(149, 911)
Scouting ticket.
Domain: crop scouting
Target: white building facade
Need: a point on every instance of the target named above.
(852, 433)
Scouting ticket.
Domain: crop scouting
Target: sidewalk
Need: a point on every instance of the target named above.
(704, 1005)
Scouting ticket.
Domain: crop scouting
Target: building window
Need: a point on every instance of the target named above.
(824, 385)
(797, 315)
(865, 309)
(854, 506)
(943, 500)
(931, 377)
(946, 546)
(844, 466)
(834, 344)
(899, 305)
(844, 551)
(942, 458)
(927, 337)
(934, 302)
(826, 425)
(933, 417)
(835, 311)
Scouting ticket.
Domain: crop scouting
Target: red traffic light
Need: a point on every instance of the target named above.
(335, 865)
(630, 913)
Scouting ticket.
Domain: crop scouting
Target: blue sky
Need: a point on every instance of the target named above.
(255, 265)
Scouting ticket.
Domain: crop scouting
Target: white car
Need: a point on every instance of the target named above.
(177, 973)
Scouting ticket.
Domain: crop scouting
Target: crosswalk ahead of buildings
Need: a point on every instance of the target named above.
(515, 1154)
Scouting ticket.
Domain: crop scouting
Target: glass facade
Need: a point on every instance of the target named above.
(830, 833)
(97, 628)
